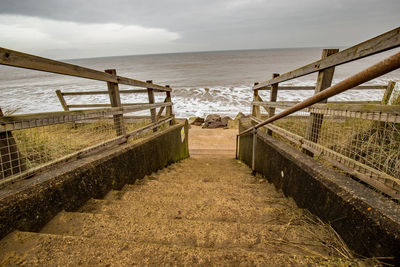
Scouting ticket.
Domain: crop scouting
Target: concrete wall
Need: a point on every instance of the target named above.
(30, 204)
(368, 222)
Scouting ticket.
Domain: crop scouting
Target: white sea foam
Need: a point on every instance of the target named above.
(188, 102)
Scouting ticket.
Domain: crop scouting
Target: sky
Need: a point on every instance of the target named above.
(62, 29)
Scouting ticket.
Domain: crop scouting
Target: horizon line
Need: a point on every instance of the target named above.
(207, 51)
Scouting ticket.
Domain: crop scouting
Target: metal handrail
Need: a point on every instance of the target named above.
(385, 66)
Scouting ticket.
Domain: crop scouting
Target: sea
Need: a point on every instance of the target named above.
(203, 83)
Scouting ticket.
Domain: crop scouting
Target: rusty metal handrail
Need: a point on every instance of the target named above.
(385, 66)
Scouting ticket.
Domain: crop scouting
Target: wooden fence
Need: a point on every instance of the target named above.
(379, 112)
(13, 166)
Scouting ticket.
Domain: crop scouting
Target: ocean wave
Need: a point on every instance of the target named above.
(188, 101)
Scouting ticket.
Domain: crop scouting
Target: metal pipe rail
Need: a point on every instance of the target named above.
(385, 66)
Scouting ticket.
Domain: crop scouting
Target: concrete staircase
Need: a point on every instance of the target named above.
(205, 210)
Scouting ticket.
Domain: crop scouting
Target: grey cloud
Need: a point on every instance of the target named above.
(230, 24)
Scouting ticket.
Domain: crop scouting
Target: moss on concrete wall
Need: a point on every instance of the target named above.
(368, 222)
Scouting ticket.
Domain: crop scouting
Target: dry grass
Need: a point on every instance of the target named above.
(43, 144)
(375, 144)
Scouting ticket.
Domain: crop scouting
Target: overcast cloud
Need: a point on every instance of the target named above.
(73, 29)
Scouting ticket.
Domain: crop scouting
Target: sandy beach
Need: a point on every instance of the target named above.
(212, 141)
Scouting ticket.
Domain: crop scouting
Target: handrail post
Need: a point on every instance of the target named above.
(11, 160)
(272, 97)
(253, 159)
(237, 146)
(64, 104)
(388, 93)
(115, 99)
(168, 110)
(324, 81)
(62, 100)
(255, 109)
(150, 93)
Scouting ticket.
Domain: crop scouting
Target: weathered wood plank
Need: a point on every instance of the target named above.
(85, 93)
(298, 88)
(102, 105)
(376, 112)
(128, 109)
(153, 112)
(62, 100)
(22, 60)
(255, 110)
(89, 105)
(291, 103)
(106, 92)
(388, 93)
(115, 99)
(381, 43)
(161, 109)
(26, 121)
(169, 111)
(273, 95)
(366, 108)
(324, 81)
(46, 115)
(137, 83)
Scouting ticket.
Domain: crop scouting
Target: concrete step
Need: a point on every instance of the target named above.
(203, 189)
(290, 239)
(190, 211)
(25, 248)
(209, 166)
(183, 198)
(250, 182)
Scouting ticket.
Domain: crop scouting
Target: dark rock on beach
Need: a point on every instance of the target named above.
(225, 120)
(198, 121)
(215, 121)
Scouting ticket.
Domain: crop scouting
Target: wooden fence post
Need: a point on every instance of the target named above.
(62, 100)
(324, 81)
(169, 111)
(153, 112)
(255, 110)
(272, 97)
(11, 160)
(115, 99)
(388, 93)
(64, 104)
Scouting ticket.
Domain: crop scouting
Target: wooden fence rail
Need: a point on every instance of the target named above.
(27, 61)
(381, 43)
(298, 88)
(26, 121)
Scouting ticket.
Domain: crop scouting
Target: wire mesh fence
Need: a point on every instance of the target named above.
(26, 146)
(360, 140)
(369, 142)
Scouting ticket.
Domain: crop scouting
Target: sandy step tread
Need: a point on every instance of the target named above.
(24, 248)
(172, 197)
(254, 237)
(203, 189)
(204, 211)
